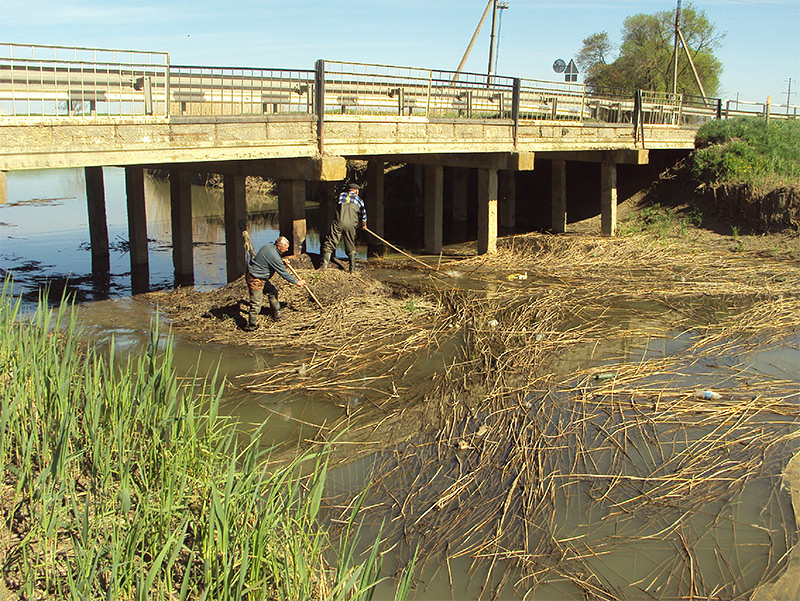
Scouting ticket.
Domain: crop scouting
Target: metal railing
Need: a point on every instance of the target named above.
(59, 81)
(226, 91)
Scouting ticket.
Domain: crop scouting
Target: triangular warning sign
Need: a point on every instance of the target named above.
(571, 68)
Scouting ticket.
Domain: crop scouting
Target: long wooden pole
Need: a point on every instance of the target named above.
(387, 243)
(311, 294)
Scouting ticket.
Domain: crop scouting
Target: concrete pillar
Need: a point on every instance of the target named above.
(98, 225)
(558, 189)
(3, 188)
(181, 211)
(460, 194)
(374, 198)
(137, 229)
(328, 204)
(292, 212)
(487, 211)
(507, 193)
(235, 214)
(608, 198)
(433, 194)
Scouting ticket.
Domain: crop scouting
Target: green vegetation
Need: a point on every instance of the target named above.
(118, 482)
(646, 54)
(660, 221)
(748, 151)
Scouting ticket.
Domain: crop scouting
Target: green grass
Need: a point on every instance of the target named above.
(748, 151)
(663, 222)
(120, 482)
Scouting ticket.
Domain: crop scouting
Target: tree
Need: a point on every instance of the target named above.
(646, 58)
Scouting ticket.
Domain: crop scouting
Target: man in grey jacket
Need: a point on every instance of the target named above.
(261, 268)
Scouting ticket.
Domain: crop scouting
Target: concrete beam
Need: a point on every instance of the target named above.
(3, 188)
(292, 213)
(324, 168)
(513, 161)
(608, 198)
(98, 225)
(558, 196)
(433, 183)
(374, 196)
(181, 212)
(137, 229)
(638, 156)
(235, 212)
(487, 211)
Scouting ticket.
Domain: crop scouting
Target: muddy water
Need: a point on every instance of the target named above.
(43, 235)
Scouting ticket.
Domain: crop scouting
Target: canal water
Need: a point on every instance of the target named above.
(44, 238)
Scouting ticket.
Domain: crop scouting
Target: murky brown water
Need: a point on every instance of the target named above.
(47, 239)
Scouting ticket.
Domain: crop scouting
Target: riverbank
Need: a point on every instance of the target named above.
(555, 379)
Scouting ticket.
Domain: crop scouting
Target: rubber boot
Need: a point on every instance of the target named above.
(251, 326)
(326, 259)
(275, 305)
(352, 257)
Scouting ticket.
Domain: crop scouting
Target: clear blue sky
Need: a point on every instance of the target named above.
(760, 52)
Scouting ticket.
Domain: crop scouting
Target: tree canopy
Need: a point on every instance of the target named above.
(645, 58)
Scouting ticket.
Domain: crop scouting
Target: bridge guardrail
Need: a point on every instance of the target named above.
(60, 81)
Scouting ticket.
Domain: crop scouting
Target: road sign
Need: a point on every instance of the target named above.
(559, 65)
(571, 72)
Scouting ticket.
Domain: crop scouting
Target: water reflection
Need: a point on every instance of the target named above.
(44, 235)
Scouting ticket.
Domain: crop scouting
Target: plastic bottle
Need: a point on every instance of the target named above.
(708, 395)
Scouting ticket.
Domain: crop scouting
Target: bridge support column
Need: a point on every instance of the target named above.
(608, 198)
(487, 211)
(433, 185)
(3, 188)
(375, 206)
(460, 194)
(292, 212)
(235, 213)
(137, 229)
(507, 192)
(181, 212)
(98, 225)
(558, 196)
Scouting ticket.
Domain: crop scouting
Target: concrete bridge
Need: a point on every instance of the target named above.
(88, 108)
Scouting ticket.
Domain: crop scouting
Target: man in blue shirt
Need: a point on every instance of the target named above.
(260, 269)
(351, 213)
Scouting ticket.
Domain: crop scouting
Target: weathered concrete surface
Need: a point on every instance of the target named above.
(45, 143)
(787, 587)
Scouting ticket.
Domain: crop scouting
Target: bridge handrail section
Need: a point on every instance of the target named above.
(60, 81)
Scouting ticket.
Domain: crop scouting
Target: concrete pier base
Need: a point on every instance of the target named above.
(98, 224)
(608, 198)
(433, 186)
(235, 214)
(487, 211)
(137, 229)
(558, 196)
(374, 197)
(292, 213)
(181, 213)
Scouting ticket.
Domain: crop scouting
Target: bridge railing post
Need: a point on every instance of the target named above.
(319, 103)
(515, 94)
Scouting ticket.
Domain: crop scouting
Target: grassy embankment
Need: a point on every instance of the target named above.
(744, 171)
(119, 482)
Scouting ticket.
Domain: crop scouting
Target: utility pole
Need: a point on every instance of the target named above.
(675, 49)
(491, 41)
(472, 41)
(788, 96)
